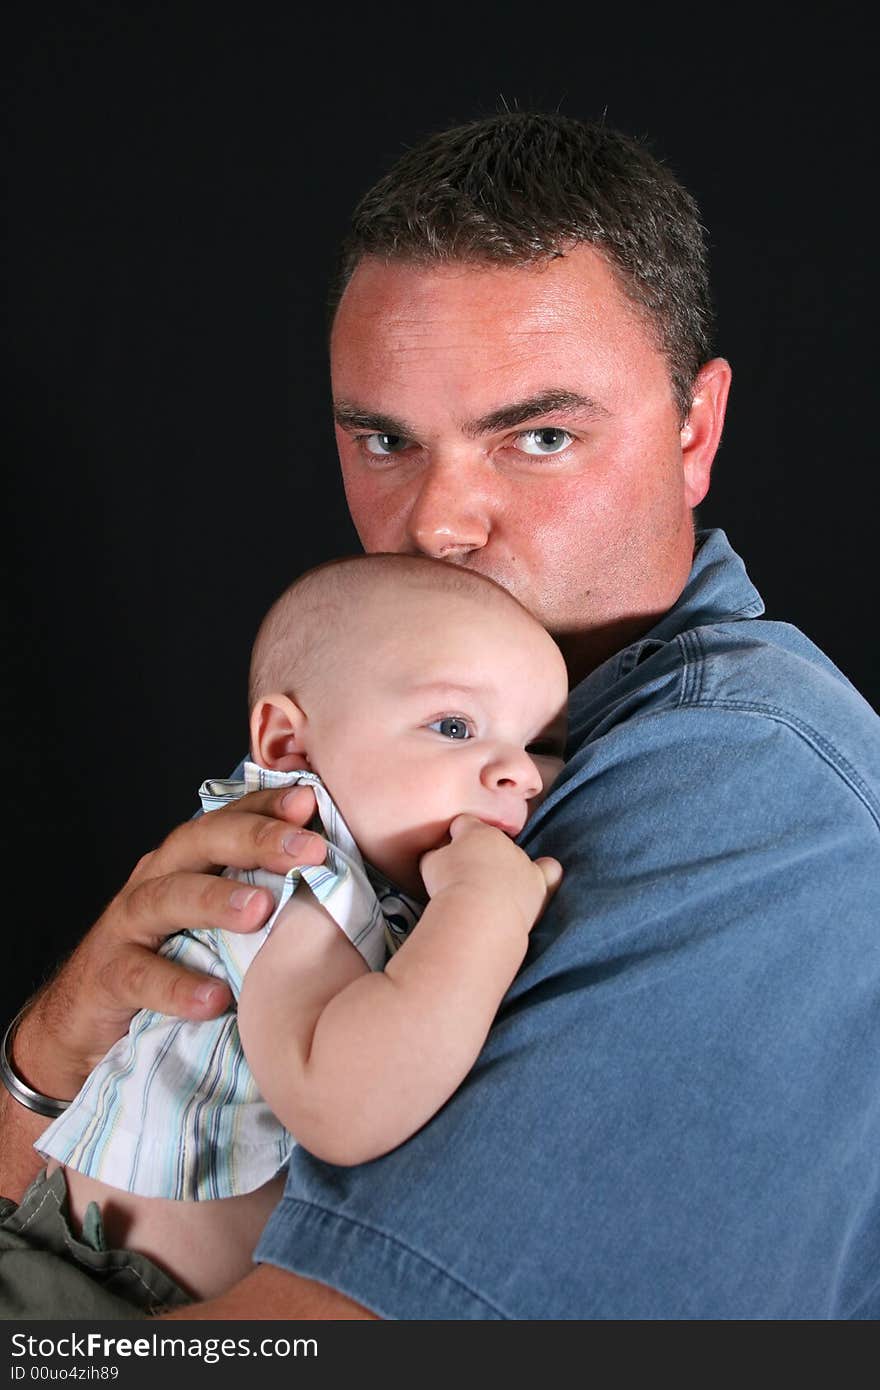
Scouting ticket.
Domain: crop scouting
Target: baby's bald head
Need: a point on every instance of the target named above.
(306, 637)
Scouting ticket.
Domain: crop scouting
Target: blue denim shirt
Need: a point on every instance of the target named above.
(677, 1112)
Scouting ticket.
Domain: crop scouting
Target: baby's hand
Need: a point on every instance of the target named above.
(483, 859)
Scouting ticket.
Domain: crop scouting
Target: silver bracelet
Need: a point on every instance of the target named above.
(31, 1100)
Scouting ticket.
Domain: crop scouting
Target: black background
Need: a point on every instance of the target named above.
(178, 184)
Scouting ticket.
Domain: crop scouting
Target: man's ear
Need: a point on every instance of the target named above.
(278, 730)
(701, 431)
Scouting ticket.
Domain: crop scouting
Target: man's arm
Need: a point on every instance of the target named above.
(19, 1162)
(115, 970)
(271, 1294)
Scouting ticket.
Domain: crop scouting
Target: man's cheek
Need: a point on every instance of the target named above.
(378, 512)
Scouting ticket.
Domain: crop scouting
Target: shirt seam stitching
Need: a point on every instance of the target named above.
(691, 677)
(691, 697)
(399, 1245)
(820, 745)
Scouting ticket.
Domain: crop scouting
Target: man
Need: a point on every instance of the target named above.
(676, 1114)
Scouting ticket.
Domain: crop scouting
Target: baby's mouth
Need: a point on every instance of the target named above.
(511, 828)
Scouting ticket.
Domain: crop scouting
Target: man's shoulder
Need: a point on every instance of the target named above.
(717, 759)
(770, 672)
(771, 666)
(732, 786)
(731, 686)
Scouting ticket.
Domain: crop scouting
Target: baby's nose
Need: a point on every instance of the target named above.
(512, 767)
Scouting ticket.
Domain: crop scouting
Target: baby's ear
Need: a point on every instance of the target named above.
(278, 729)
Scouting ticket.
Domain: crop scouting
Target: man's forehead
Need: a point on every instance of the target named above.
(490, 337)
(406, 294)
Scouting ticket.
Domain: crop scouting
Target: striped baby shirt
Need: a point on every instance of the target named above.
(173, 1110)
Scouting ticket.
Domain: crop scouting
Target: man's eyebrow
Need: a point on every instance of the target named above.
(350, 416)
(507, 417)
(354, 417)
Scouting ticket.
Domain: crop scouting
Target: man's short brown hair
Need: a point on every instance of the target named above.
(520, 187)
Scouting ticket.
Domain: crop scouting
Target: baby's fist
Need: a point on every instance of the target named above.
(485, 860)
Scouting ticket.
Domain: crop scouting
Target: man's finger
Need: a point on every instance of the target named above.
(147, 981)
(291, 805)
(236, 837)
(157, 907)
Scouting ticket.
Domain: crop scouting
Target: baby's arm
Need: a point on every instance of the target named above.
(352, 1061)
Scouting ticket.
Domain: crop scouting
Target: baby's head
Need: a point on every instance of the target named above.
(417, 691)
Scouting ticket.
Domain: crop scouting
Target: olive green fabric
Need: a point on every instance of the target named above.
(46, 1272)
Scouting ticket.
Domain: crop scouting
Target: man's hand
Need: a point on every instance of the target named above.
(115, 969)
(485, 859)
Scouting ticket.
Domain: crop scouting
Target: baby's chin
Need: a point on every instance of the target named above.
(400, 862)
(403, 873)
(404, 870)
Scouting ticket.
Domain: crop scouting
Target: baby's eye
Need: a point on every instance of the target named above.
(451, 727)
(548, 440)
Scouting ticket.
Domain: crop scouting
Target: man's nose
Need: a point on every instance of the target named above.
(512, 768)
(449, 516)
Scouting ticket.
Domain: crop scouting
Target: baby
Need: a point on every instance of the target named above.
(431, 706)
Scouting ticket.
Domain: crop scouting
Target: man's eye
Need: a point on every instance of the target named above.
(544, 441)
(384, 444)
(451, 727)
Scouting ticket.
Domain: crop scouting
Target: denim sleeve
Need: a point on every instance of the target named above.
(677, 1112)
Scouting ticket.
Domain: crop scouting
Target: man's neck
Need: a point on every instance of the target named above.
(585, 651)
